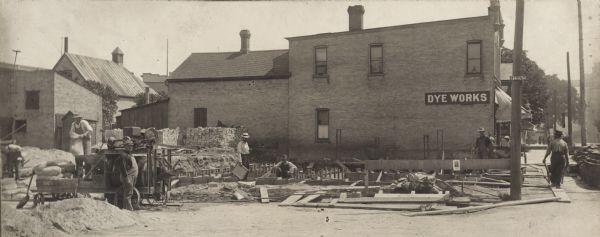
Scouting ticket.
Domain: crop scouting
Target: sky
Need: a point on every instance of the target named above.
(141, 28)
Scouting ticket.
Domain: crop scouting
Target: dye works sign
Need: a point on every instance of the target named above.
(463, 98)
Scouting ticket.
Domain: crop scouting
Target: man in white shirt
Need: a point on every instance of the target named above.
(244, 149)
(284, 168)
(80, 134)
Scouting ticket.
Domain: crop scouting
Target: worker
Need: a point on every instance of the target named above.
(559, 159)
(80, 134)
(13, 160)
(244, 149)
(128, 174)
(284, 168)
(503, 150)
(483, 145)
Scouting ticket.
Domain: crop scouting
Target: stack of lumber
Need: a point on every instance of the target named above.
(588, 160)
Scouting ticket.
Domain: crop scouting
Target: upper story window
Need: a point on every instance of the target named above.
(376, 59)
(474, 57)
(321, 60)
(32, 99)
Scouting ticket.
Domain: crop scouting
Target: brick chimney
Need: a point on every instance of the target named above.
(117, 56)
(66, 44)
(245, 37)
(355, 17)
(496, 19)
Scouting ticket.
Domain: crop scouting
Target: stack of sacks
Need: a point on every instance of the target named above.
(52, 170)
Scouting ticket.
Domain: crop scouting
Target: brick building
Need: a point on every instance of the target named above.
(362, 93)
(109, 72)
(34, 101)
(156, 82)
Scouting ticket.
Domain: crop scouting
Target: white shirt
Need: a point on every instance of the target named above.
(83, 125)
(243, 148)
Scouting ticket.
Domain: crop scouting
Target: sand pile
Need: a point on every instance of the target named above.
(211, 158)
(16, 223)
(211, 192)
(34, 156)
(83, 214)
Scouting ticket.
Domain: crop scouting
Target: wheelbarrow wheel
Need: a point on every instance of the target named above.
(38, 199)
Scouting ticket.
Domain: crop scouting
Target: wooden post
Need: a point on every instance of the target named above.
(581, 80)
(515, 127)
(366, 179)
(569, 108)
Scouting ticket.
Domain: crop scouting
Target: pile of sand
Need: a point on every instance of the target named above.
(16, 223)
(83, 214)
(212, 192)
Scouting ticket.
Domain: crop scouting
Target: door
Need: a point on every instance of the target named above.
(200, 117)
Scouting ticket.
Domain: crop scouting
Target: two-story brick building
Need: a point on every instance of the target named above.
(361, 93)
(34, 101)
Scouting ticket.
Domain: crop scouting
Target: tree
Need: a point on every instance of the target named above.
(538, 90)
(140, 98)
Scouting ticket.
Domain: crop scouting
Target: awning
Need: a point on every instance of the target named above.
(503, 100)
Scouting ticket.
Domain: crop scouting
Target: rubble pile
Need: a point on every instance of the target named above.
(588, 161)
(419, 182)
(211, 192)
(209, 137)
(36, 157)
(16, 223)
(83, 214)
(211, 158)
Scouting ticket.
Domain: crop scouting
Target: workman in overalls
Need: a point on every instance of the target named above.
(80, 134)
(284, 168)
(559, 159)
(128, 174)
(13, 160)
(483, 145)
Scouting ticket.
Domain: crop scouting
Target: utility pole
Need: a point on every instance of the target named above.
(569, 108)
(581, 79)
(555, 110)
(13, 90)
(515, 121)
(167, 58)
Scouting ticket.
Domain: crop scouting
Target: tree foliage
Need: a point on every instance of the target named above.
(140, 98)
(538, 90)
(109, 99)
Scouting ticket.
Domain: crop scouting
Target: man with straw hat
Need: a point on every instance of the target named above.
(483, 145)
(244, 149)
(80, 134)
(559, 159)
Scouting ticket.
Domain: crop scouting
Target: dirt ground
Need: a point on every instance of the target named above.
(581, 217)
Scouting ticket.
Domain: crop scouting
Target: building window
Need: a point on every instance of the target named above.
(474, 57)
(321, 61)
(32, 99)
(322, 125)
(376, 58)
(20, 126)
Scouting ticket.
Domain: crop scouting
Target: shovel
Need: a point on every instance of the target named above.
(26, 198)
(547, 173)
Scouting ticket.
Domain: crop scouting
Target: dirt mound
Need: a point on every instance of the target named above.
(16, 223)
(191, 160)
(211, 192)
(83, 214)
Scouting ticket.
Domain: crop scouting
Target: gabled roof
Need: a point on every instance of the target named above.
(233, 65)
(121, 80)
(151, 77)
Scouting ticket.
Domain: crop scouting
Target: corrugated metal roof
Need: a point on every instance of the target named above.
(268, 63)
(124, 82)
(151, 77)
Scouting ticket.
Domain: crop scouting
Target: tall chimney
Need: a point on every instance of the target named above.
(355, 17)
(245, 35)
(147, 95)
(117, 56)
(66, 44)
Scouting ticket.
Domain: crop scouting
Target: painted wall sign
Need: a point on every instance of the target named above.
(464, 98)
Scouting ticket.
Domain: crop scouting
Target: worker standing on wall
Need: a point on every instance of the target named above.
(80, 134)
(559, 159)
(483, 145)
(244, 149)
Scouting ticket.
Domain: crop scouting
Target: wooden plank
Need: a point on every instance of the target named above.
(290, 200)
(343, 196)
(417, 197)
(561, 194)
(480, 208)
(334, 201)
(407, 199)
(379, 177)
(383, 207)
(264, 195)
(355, 183)
(308, 198)
(341, 165)
(429, 165)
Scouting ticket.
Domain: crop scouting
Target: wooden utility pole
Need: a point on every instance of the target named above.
(515, 121)
(555, 110)
(581, 80)
(569, 108)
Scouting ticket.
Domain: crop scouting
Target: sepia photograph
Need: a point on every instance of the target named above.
(339, 118)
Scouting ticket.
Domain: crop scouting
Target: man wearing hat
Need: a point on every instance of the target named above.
(559, 159)
(80, 134)
(483, 145)
(244, 149)
(13, 160)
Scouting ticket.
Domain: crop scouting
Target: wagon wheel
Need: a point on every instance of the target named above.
(136, 199)
(38, 199)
